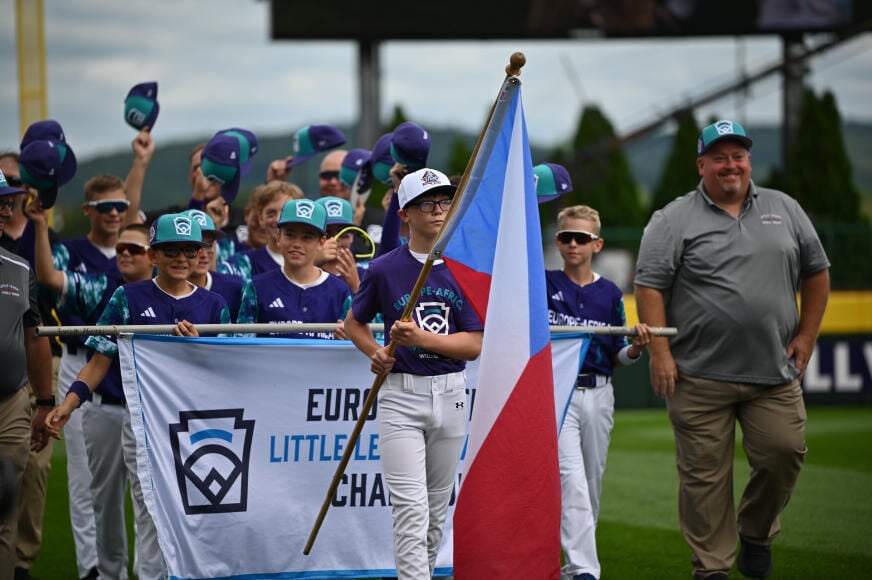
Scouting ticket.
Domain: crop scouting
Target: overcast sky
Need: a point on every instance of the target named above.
(217, 67)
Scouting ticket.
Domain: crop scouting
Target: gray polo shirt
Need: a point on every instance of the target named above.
(730, 284)
(18, 309)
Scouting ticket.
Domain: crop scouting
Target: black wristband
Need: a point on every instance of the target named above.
(50, 402)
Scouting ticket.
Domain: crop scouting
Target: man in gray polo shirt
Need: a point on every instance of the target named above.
(723, 264)
(23, 355)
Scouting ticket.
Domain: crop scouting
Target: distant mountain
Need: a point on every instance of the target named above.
(167, 180)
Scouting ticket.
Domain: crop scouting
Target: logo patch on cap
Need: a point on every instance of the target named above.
(429, 178)
(182, 225)
(200, 217)
(304, 210)
(136, 116)
(724, 127)
(334, 208)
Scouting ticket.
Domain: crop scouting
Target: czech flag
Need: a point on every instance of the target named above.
(507, 516)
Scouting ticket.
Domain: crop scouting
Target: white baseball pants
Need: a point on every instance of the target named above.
(582, 445)
(422, 426)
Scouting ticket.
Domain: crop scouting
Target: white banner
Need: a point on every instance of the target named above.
(238, 441)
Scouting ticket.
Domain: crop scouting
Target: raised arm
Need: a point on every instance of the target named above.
(46, 273)
(143, 151)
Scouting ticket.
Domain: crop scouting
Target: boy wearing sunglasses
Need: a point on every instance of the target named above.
(300, 291)
(422, 410)
(578, 296)
(175, 242)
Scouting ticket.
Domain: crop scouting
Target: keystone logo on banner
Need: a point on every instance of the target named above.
(212, 451)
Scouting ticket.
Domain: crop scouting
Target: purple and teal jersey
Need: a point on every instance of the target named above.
(82, 256)
(441, 308)
(600, 303)
(250, 263)
(227, 247)
(230, 288)
(145, 303)
(272, 297)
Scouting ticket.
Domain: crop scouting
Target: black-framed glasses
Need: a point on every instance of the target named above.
(580, 238)
(429, 205)
(131, 248)
(328, 175)
(7, 203)
(190, 252)
(119, 205)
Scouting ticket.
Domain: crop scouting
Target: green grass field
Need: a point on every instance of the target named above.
(826, 529)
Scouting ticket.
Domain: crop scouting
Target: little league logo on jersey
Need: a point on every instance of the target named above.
(212, 451)
(432, 317)
(771, 219)
(334, 208)
(305, 208)
(182, 225)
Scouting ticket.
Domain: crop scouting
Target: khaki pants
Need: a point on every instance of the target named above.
(15, 447)
(31, 505)
(704, 415)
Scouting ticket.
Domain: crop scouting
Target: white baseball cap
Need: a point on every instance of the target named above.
(425, 180)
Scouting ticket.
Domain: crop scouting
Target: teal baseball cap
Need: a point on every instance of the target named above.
(339, 211)
(175, 228)
(720, 130)
(207, 224)
(304, 211)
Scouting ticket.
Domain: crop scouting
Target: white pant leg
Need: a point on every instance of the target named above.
(421, 436)
(78, 473)
(150, 563)
(581, 446)
(101, 425)
(599, 418)
(444, 440)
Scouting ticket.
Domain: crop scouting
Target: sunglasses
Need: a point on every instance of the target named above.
(174, 251)
(328, 175)
(119, 205)
(429, 206)
(131, 248)
(7, 203)
(14, 181)
(580, 238)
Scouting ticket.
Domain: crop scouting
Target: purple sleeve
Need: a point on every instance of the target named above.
(364, 304)
(390, 238)
(199, 204)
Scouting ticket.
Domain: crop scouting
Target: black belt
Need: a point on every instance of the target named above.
(71, 348)
(109, 400)
(587, 381)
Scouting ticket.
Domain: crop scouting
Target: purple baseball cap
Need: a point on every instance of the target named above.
(552, 181)
(352, 164)
(141, 107)
(46, 166)
(410, 145)
(247, 147)
(380, 162)
(314, 139)
(220, 162)
(48, 130)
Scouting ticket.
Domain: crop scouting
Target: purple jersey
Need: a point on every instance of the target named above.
(81, 255)
(230, 288)
(144, 303)
(600, 303)
(250, 263)
(273, 297)
(441, 308)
